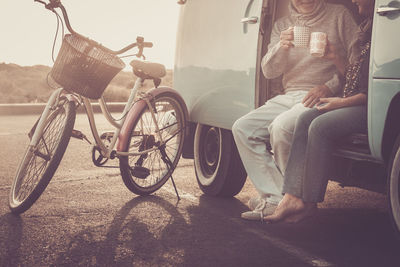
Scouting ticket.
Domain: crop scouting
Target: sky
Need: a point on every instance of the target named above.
(27, 29)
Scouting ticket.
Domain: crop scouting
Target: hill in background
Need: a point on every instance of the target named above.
(29, 84)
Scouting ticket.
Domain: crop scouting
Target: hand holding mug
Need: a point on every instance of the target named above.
(287, 38)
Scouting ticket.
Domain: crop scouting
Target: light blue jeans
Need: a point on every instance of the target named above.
(310, 156)
(275, 121)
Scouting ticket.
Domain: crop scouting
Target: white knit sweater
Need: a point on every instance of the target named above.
(300, 70)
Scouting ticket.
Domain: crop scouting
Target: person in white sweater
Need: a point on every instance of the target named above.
(305, 79)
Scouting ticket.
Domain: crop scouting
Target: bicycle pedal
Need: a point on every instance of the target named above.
(140, 172)
(77, 134)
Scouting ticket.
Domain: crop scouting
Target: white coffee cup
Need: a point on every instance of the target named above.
(301, 36)
(318, 43)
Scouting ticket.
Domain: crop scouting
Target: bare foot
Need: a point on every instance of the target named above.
(310, 209)
(288, 206)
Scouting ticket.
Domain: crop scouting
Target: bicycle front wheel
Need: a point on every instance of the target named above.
(143, 174)
(40, 162)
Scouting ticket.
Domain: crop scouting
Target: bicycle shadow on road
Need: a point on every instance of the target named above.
(151, 231)
(10, 239)
(134, 237)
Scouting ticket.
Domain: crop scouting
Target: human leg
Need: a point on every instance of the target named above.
(323, 132)
(292, 203)
(294, 174)
(308, 167)
(251, 134)
(281, 130)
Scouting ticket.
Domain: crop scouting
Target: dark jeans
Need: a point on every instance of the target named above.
(310, 156)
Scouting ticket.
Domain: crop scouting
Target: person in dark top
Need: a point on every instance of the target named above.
(317, 130)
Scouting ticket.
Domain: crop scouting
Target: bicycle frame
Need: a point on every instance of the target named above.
(107, 152)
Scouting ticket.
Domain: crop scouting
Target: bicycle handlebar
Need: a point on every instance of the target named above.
(140, 43)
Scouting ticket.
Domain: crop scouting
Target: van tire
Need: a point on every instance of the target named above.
(219, 169)
(393, 188)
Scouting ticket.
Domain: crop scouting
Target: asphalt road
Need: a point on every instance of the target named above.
(87, 217)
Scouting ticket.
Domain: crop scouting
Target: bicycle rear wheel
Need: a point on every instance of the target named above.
(40, 162)
(146, 173)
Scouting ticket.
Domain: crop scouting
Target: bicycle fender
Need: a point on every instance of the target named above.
(135, 111)
(127, 127)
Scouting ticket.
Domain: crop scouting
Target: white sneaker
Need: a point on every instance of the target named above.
(260, 211)
(254, 202)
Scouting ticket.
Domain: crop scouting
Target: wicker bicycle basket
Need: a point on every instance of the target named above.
(84, 67)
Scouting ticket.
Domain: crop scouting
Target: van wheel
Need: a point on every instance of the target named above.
(394, 186)
(219, 169)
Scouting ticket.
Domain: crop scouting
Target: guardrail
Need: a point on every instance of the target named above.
(37, 108)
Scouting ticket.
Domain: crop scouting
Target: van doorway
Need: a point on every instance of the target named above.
(272, 11)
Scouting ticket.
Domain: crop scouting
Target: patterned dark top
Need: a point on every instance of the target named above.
(357, 74)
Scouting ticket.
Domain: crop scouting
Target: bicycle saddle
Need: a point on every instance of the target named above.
(148, 70)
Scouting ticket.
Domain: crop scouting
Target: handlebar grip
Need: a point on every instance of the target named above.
(147, 44)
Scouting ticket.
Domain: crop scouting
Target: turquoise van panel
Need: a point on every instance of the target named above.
(380, 96)
(384, 76)
(216, 57)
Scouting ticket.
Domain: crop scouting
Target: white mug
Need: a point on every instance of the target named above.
(301, 36)
(318, 44)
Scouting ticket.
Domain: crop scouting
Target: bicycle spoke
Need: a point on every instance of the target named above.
(162, 128)
(35, 171)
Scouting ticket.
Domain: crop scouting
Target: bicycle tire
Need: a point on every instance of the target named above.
(170, 113)
(39, 163)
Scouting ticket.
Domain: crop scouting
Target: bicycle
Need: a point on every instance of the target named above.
(148, 138)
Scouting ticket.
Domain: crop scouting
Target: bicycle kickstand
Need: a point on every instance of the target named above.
(168, 162)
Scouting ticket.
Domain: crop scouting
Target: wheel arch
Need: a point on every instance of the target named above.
(392, 127)
(188, 144)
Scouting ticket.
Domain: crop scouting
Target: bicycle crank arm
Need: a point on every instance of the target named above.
(79, 135)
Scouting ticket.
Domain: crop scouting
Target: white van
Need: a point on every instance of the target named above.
(217, 71)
